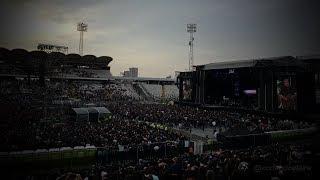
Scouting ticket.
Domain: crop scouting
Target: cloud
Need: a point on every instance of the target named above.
(152, 35)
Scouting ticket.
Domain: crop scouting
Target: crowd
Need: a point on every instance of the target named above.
(23, 106)
(276, 161)
(190, 117)
(21, 94)
(283, 161)
(18, 103)
(28, 103)
(115, 131)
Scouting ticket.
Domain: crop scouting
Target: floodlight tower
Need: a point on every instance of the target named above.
(82, 27)
(191, 28)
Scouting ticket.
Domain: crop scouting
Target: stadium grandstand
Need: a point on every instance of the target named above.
(73, 67)
(54, 64)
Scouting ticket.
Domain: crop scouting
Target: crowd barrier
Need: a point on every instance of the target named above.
(145, 152)
(150, 151)
(292, 134)
(53, 154)
(244, 141)
(105, 154)
(100, 154)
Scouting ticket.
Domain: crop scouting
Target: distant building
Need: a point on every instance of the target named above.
(133, 72)
(126, 74)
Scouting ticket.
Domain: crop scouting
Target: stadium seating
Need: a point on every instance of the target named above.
(170, 92)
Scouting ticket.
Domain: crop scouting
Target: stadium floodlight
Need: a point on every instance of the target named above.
(191, 28)
(52, 48)
(81, 27)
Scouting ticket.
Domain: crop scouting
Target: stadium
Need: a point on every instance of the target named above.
(69, 111)
(66, 115)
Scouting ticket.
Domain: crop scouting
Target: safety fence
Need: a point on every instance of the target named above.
(243, 141)
(53, 154)
(145, 152)
(292, 134)
(80, 154)
(148, 151)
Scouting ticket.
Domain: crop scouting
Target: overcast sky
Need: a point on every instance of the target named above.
(151, 34)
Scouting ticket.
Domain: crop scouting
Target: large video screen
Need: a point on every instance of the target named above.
(287, 93)
(187, 89)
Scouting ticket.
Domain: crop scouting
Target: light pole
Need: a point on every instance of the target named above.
(191, 28)
(82, 27)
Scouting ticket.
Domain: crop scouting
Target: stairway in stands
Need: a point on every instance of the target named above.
(142, 92)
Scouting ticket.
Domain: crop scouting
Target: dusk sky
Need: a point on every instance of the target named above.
(151, 34)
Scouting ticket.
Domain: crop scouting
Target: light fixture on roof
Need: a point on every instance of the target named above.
(82, 27)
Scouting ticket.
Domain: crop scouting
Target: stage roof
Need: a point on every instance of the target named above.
(259, 63)
(230, 64)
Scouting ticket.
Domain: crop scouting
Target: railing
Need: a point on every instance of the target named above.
(291, 134)
(54, 154)
(146, 152)
(96, 154)
(242, 141)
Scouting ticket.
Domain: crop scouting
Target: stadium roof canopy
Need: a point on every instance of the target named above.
(88, 58)
(18, 56)
(4, 53)
(21, 56)
(104, 59)
(56, 56)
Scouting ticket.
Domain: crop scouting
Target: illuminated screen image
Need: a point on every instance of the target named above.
(287, 93)
(250, 92)
(187, 90)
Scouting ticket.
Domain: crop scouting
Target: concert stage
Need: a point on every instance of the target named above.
(281, 85)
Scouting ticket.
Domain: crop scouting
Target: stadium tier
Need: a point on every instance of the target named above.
(40, 63)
